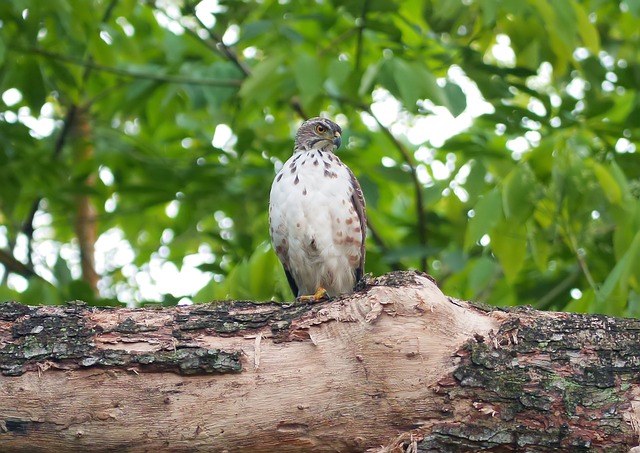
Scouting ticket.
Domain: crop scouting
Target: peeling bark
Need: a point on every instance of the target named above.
(397, 366)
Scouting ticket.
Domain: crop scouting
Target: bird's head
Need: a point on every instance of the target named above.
(318, 133)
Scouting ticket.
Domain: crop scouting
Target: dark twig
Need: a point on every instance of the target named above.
(570, 237)
(230, 54)
(222, 48)
(27, 228)
(27, 225)
(67, 125)
(132, 74)
(297, 107)
(336, 43)
(69, 120)
(406, 155)
(545, 302)
(14, 266)
(87, 68)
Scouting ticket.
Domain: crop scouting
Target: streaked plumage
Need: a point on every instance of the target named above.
(317, 214)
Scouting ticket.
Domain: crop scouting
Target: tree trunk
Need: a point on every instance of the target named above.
(86, 215)
(397, 366)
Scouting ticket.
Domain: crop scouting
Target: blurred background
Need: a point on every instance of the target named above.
(496, 144)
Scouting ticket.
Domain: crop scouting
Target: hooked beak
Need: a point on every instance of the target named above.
(337, 139)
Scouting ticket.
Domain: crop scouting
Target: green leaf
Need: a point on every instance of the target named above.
(509, 244)
(9, 191)
(582, 305)
(622, 107)
(3, 51)
(633, 307)
(566, 23)
(61, 272)
(34, 91)
(481, 274)
(152, 137)
(370, 189)
(395, 174)
(612, 296)
(409, 83)
(625, 228)
(65, 77)
(253, 29)
(488, 8)
(412, 251)
(476, 184)
(382, 6)
(308, 75)
(540, 247)
(456, 99)
(517, 194)
(634, 7)
(262, 264)
(588, 31)
(430, 88)
(608, 183)
(40, 292)
(262, 77)
(81, 290)
(339, 71)
(413, 81)
(368, 79)
(488, 211)
(621, 179)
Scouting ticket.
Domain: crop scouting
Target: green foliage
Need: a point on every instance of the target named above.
(536, 200)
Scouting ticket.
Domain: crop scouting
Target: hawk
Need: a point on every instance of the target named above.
(317, 216)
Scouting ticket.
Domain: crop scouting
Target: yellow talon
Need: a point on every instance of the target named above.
(320, 295)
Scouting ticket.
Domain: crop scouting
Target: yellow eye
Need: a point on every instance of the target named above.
(320, 129)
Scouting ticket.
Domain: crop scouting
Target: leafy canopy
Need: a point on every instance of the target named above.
(150, 131)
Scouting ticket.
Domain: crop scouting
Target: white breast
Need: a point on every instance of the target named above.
(315, 229)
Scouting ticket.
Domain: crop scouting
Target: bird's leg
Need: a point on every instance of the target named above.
(320, 295)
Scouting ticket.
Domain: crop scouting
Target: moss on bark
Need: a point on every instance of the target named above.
(547, 383)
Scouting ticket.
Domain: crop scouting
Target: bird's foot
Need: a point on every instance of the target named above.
(320, 295)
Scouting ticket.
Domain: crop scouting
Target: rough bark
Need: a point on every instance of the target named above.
(397, 366)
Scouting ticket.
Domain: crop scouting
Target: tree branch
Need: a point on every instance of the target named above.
(565, 224)
(220, 46)
(233, 83)
(11, 264)
(297, 107)
(406, 155)
(336, 43)
(69, 121)
(27, 229)
(395, 367)
(27, 225)
(545, 301)
(420, 213)
(87, 68)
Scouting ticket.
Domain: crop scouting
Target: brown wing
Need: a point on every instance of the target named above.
(359, 205)
(292, 282)
(283, 256)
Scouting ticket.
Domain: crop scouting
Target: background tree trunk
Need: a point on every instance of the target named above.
(397, 366)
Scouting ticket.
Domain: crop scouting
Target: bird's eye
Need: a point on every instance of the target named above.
(320, 129)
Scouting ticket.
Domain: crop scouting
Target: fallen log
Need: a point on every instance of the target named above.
(397, 366)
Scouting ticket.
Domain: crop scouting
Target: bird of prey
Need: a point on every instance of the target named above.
(317, 216)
